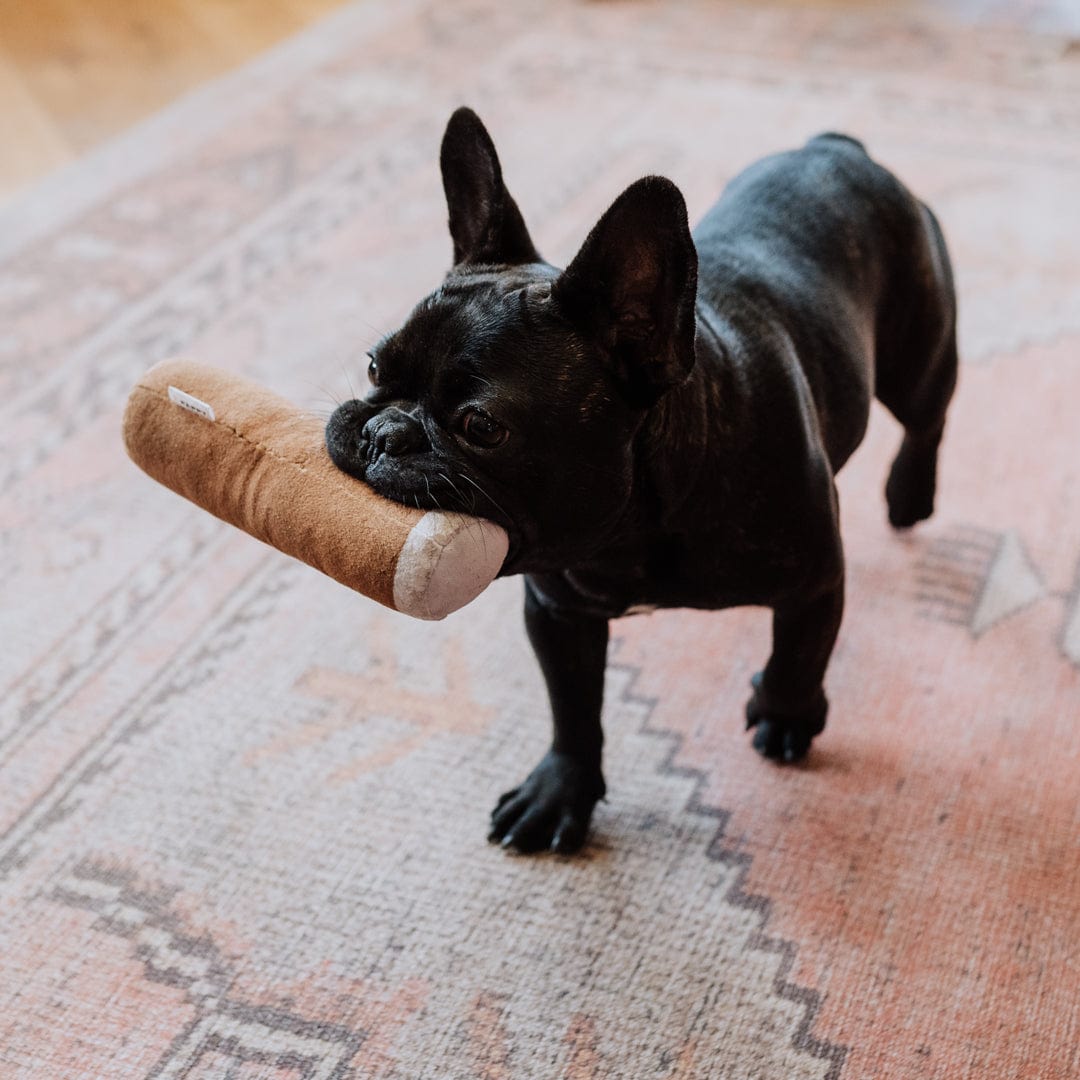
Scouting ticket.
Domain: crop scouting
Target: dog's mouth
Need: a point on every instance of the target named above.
(419, 479)
(404, 482)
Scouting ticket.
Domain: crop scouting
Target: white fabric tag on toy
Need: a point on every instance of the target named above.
(192, 404)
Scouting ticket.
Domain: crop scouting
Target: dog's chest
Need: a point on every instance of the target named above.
(706, 573)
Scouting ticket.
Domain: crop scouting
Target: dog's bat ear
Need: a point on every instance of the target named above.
(485, 223)
(632, 288)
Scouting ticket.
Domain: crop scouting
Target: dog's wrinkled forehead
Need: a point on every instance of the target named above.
(480, 321)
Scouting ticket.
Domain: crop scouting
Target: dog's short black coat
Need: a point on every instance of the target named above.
(661, 423)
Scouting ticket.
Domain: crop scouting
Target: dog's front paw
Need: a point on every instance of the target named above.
(551, 809)
(780, 733)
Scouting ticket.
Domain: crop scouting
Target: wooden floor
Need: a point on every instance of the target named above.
(74, 72)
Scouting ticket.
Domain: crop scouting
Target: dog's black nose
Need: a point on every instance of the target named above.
(393, 431)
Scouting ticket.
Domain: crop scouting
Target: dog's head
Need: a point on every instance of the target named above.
(515, 391)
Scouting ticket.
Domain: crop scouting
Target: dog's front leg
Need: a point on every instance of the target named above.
(788, 706)
(552, 808)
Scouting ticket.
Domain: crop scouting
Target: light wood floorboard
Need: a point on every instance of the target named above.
(74, 72)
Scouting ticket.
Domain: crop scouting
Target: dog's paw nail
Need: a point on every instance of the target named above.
(565, 845)
(569, 835)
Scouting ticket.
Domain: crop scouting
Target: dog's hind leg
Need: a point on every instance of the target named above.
(917, 382)
(912, 482)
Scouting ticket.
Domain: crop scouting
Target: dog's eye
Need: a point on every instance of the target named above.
(373, 371)
(481, 430)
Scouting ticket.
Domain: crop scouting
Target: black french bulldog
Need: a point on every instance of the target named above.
(660, 424)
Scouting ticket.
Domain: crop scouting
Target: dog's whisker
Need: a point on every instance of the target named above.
(370, 326)
(456, 489)
(348, 381)
(325, 392)
(498, 506)
(431, 495)
(468, 505)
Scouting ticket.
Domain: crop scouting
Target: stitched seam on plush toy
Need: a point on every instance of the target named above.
(258, 445)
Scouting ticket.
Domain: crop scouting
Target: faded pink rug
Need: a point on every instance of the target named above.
(242, 810)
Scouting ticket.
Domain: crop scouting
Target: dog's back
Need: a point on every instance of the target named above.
(829, 247)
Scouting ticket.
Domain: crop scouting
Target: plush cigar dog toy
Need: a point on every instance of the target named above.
(256, 461)
(660, 423)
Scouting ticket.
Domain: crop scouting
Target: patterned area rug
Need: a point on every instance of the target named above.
(242, 811)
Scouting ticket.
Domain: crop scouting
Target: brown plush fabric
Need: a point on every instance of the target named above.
(262, 466)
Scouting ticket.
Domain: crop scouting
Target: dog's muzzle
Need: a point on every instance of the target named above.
(393, 432)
